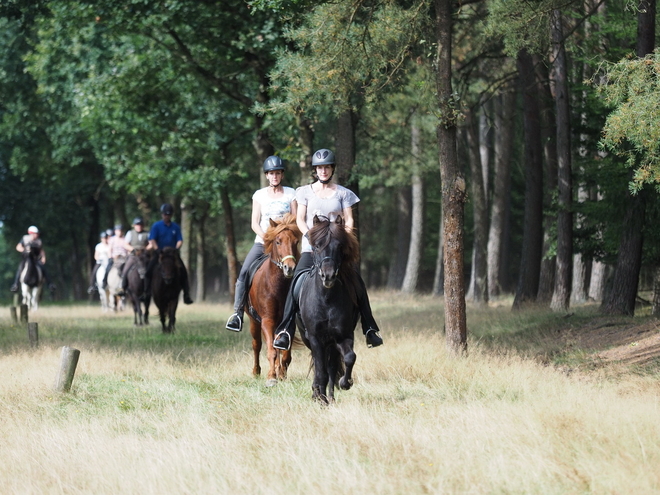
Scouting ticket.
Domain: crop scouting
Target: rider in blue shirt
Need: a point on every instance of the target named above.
(166, 233)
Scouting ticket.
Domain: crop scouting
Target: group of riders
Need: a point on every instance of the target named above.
(323, 197)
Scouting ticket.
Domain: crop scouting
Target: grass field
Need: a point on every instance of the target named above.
(524, 412)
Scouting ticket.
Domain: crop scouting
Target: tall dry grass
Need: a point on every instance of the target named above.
(150, 414)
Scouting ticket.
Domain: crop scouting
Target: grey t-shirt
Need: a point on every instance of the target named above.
(329, 207)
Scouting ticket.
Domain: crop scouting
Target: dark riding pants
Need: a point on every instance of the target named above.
(240, 290)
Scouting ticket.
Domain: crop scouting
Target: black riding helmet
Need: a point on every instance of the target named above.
(273, 163)
(167, 209)
(138, 221)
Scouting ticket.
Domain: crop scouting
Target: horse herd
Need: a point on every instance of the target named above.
(328, 311)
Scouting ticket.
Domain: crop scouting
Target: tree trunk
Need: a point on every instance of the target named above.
(564, 268)
(417, 228)
(549, 140)
(501, 188)
(621, 299)
(399, 257)
(306, 141)
(479, 287)
(453, 186)
(530, 262)
(597, 281)
(200, 266)
(186, 232)
(230, 243)
(345, 151)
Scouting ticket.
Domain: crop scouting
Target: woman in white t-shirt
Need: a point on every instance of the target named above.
(102, 256)
(270, 203)
(328, 199)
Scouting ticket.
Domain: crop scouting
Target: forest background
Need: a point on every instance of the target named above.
(545, 112)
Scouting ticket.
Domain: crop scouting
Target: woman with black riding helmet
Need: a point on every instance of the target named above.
(269, 203)
(326, 198)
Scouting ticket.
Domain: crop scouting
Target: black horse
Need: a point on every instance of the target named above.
(328, 307)
(31, 276)
(166, 287)
(135, 287)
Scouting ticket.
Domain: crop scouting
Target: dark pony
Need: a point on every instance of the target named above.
(135, 289)
(166, 287)
(328, 306)
(32, 277)
(268, 291)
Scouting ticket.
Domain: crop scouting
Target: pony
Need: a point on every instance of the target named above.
(115, 301)
(32, 277)
(328, 310)
(135, 280)
(267, 295)
(166, 287)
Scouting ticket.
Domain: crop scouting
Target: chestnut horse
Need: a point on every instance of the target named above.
(328, 306)
(267, 295)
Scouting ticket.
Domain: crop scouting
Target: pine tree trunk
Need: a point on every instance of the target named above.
(230, 243)
(597, 281)
(453, 186)
(417, 228)
(530, 262)
(564, 268)
(501, 189)
(306, 141)
(439, 275)
(345, 152)
(399, 257)
(478, 292)
(200, 244)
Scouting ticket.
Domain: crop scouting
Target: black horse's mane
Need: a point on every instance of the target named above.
(324, 231)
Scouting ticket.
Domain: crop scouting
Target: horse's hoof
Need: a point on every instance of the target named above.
(271, 382)
(345, 384)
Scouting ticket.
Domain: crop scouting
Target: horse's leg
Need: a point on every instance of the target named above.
(173, 306)
(333, 365)
(268, 326)
(146, 311)
(320, 383)
(346, 349)
(255, 331)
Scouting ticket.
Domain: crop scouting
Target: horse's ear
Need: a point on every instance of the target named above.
(272, 222)
(316, 220)
(339, 220)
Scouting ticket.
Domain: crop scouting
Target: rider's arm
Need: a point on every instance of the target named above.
(256, 218)
(42, 257)
(301, 219)
(127, 241)
(152, 244)
(294, 208)
(20, 247)
(178, 244)
(348, 218)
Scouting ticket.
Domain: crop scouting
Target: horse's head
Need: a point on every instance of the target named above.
(281, 244)
(334, 249)
(167, 262)
(34, 249)
(141, 262)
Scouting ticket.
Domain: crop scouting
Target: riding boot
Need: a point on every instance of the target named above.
(235, 321)
(15, 285)
(105, 277)
(369, 327)
(147, 277)
(287, 328)
(186, 285)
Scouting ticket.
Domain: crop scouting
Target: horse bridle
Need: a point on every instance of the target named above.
(280, 263)
(318, 264)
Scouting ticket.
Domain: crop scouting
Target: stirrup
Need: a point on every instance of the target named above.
(234, 323)
(373, 339)
(282, 341)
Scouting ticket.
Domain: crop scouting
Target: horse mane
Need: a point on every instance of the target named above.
(324, 230)
(288, 222)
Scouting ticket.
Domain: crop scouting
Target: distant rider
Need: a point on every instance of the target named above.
(165, 233)
(31, 239)
(136, 241)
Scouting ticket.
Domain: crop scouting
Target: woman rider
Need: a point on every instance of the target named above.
(270, 203)
(324, 197)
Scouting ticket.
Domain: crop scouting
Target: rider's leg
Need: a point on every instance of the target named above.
(287, 328)
(14, 287)
(369, 327)
(124, 271)
(147, 276)
(186, 285)
(92, 281)
(235, 321)
(107, 271)
(46, 277)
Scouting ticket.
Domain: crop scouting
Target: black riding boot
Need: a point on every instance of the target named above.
(235, 321)
(186, 286)
(369, 327)
(287, 328)
(14, 286)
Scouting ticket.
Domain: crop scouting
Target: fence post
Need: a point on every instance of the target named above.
(24, 313)
(33, 334)
(68, 363)
(14, 315)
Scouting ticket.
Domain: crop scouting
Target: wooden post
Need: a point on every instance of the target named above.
(33, 334)
(14, 314)
(68, 363)
(24, 313)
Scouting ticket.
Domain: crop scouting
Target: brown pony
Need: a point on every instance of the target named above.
(268, 292)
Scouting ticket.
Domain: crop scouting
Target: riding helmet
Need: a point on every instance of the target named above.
(103, 235)
(167, 209)
(33, 230)
(273, 163)
(138, 221)
(109, 232)
(119, 227)
(323, 157)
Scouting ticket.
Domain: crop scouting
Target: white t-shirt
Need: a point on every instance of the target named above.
(328, 207)
(102, 251)
(272, 209)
